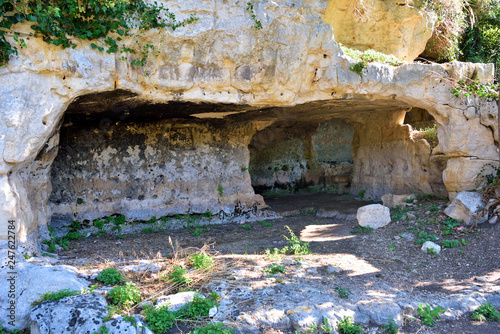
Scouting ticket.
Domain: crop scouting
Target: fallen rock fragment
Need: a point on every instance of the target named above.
(374, 216)
(466, 207)
(430, 245)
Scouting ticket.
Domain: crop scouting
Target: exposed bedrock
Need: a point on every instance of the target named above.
(234, 81)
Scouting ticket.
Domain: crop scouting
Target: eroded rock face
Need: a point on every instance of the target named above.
(76, 314)
(291, 70)
(392, 27)
(153, 168)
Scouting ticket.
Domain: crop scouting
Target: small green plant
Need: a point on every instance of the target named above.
(256, 23)
(148, 230)
(342, 292)
(152, 220)
(130, 319)
(99, 223)
(465, 88)
(296, 246)
(392, 246)
(208, 214)
(347, 326)
(197, 232)
(449, 225)
(266, 224)
(391, 327)
(125, 296)
(220, 190)
(361, 193)
(275, 268)
(73, 235)
(102, 330)
(424, 236)
(309, 212)
(75, 226)
(199, 307)
(27, 256)
(399, 212)
(358, 229)
(201, 261)
(486, 312)
(450, 243)
(80, 201)
(464, 242)
(358, 68)
(177, 276)
(213, 328)
(273, 255)
(325, 327)
(110, 276)
(160, 319)
(431, 251)
(244, 169)
(246, 227)
(56, 295)
(433, 207)
(429, 315)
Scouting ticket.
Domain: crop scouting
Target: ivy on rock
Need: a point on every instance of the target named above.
(59, 22)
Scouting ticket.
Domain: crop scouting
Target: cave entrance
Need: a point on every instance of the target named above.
(119, 155)
(290, 157)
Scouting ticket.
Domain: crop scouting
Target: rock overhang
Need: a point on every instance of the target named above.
(291, 71)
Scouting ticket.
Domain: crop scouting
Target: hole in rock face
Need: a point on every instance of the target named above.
(423, 125)
(120, 155)
(302, 157)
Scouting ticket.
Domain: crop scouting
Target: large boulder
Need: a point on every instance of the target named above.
(31, 282)
(374, 215)
(466, 207)
(71, 315)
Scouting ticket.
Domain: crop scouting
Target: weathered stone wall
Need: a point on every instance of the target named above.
(294, 156)
(293, 61)
(156, 168)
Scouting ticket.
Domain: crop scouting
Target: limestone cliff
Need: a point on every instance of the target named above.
(180, 126)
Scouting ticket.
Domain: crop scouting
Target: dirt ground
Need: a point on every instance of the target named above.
(328, 223)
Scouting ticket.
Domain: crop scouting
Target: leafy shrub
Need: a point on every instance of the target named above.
(275, 268)
(74, 236)
(347, 326)
(59, 21)
(429, 315)
(343, 293)
(160, 319)
(450, 243)
(110, 276)
(424, 236)
(296, 246)
(177, 276)
(125, 296)
(486, 312)
(199, 307)
(201, 261)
